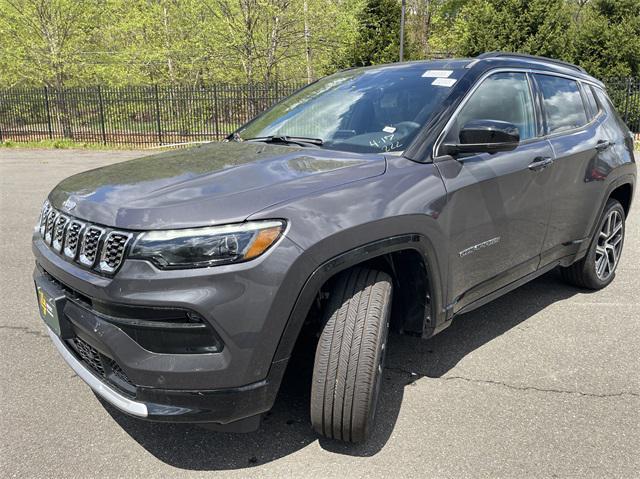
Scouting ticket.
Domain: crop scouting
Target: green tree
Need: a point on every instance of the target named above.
(43, 40)
(530, 26)
(377, 40)
(607, 39)
(150, 41)
(603, 36)
(171, 42)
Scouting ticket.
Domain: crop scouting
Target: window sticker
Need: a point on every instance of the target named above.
(385, 143)
(437, 73)
(389, 129)
(448, 82)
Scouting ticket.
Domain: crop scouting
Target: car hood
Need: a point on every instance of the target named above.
(211, 184)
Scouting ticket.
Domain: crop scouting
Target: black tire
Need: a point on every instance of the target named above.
(347, 371)
(583, 273)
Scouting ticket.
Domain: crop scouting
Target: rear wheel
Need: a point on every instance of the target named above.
(350, 355)
(597, 269)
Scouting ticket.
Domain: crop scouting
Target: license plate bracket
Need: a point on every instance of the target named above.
(51, 301)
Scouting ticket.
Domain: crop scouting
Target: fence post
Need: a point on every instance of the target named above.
(627, 101)
(158, 114)
(101, 109)
(216, 111)
(48, 108)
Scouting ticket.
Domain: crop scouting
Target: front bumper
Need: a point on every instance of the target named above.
(246, 305)
(222, 406)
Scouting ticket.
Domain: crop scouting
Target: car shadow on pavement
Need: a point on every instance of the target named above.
(286, 428)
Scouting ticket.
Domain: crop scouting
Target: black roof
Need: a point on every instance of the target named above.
(543, 63)
(525, 56)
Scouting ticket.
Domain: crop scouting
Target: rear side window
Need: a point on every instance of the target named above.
(563, 106)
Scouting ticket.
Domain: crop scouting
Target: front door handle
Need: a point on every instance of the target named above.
(540, 163)
(603, 145)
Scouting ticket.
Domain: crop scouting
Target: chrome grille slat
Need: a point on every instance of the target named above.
(58, 232)
(113, 251)
(90, 245)
(46, 209)
(74, 230)
(51, 221)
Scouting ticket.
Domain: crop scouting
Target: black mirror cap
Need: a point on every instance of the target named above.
(485, 136)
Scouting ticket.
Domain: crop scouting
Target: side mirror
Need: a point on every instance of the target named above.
(485, 136)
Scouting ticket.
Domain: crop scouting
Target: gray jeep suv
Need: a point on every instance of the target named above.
(401, 196)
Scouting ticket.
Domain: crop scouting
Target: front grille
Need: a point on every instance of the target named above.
(90, 245)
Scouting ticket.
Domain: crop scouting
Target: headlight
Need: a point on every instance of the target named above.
(211, 246)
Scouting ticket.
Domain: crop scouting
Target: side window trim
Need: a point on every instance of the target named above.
(532, 91)
(585, 103)
(601, 109)
(541, 122)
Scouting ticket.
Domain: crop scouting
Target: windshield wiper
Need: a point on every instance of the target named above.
(289, 140)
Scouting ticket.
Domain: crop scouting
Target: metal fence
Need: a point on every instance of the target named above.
(625, 94)
(138, 116)
(149, 116)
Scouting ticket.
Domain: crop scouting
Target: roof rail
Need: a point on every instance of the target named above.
(531, 57)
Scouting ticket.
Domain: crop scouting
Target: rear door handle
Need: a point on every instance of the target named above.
(540, 163)
(603, 145)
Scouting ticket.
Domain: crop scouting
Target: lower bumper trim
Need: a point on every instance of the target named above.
(109, 394)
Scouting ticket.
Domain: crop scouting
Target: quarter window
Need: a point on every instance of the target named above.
(563, 106)
(591, 100)
(502, 97)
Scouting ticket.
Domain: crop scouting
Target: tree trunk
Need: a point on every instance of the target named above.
(63, 107)
(307, 43)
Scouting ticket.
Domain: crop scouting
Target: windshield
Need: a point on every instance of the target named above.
(364, 110)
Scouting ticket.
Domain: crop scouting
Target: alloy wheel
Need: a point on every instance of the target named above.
(609, 245)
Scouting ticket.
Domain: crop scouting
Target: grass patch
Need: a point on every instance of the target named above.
(64, 144)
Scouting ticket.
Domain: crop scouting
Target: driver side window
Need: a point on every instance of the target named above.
(502, 97)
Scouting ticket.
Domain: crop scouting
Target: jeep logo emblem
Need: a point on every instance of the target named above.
(69, 204)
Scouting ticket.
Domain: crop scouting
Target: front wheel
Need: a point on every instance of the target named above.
(347, 371)
(597, 269)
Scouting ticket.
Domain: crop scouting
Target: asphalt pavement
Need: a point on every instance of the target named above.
(543, 382)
